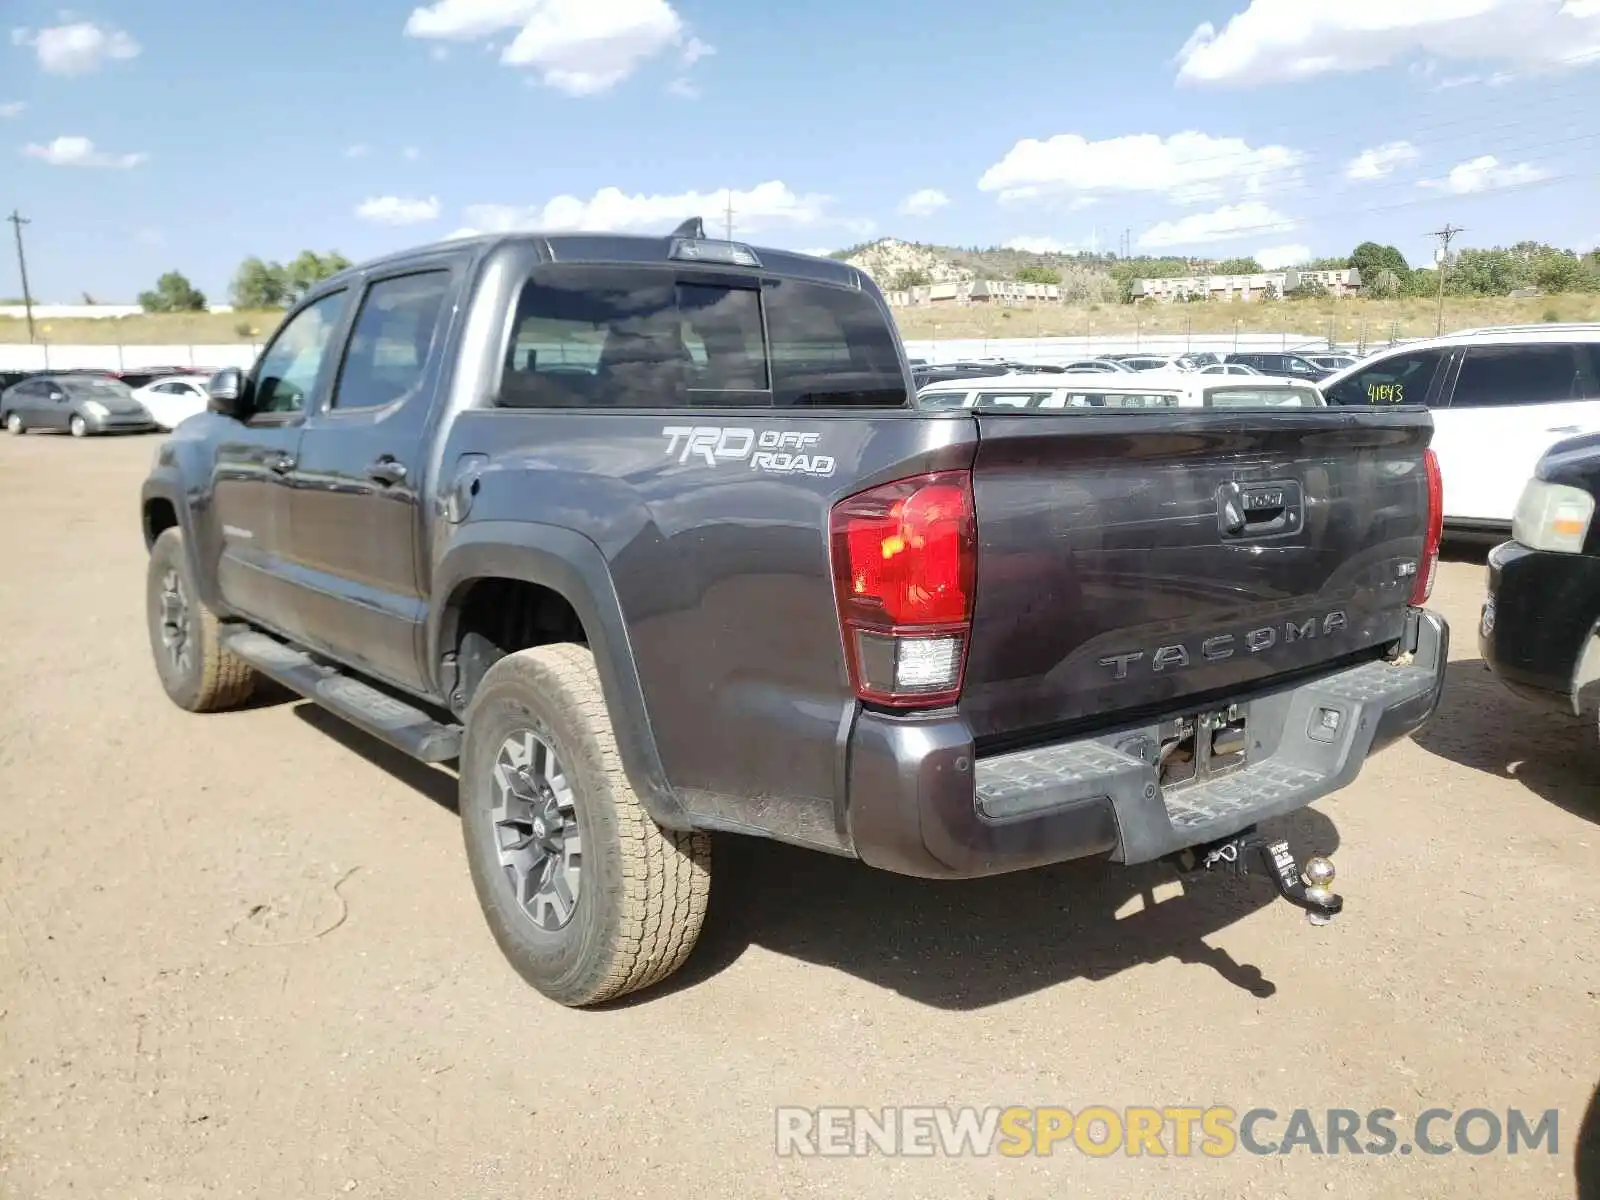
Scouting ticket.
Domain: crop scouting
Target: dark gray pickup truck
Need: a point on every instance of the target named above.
(649, 534)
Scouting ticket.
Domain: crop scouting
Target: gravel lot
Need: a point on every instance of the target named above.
(240, 956)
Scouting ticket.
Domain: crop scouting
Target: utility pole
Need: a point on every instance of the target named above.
(730, 215)
(18, 221)
(1445, 236)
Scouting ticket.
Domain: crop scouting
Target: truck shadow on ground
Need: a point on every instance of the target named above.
(960, 945)
(971, 944)
(1483, 726)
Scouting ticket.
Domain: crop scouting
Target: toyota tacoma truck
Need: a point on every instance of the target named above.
(649, 536)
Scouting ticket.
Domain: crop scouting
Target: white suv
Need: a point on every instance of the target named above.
(1500, 398)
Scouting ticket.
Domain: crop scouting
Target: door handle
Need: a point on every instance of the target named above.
(283, 464)
(387, 471)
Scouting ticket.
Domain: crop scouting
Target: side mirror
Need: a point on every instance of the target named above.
(227, 393)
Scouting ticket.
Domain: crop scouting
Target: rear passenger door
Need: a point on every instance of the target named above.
(1509, 403)
(354, 512)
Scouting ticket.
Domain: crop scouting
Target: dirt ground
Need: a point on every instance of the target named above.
(240, 956)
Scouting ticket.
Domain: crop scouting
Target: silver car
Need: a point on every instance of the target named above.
(80, 404)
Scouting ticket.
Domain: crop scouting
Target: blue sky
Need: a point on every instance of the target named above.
(141, 136)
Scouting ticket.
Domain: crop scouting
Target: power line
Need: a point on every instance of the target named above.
(18, 221)
(1445, 236)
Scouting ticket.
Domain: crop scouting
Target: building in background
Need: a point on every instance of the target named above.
(1345, 282)
(1004, 292)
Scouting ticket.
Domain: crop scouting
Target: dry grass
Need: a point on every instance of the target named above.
(1344, 320)
(1347, 320)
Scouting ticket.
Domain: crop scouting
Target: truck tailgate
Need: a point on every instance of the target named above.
(1145, 562)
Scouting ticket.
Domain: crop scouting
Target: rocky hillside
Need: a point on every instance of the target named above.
(888, 259)
(893, 263)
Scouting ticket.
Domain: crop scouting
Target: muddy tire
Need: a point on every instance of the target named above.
(587, 897)
(197, 673)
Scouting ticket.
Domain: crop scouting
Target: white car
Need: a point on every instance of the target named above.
(172, 399)
(1147, 389)
(1229, 369)
(1500, 398)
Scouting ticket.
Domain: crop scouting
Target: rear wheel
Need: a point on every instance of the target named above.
(14, 424)
(78, 426)
(586, 896)
(197, 671)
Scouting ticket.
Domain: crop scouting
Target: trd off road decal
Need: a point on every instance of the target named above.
(776, 451)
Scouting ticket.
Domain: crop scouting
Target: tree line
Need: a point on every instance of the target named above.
(257, 284)
(1385, 273)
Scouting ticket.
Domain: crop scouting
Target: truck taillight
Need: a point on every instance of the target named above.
(1428, 565)
(905, 559)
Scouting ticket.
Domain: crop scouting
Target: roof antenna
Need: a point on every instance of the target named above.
(694, 227)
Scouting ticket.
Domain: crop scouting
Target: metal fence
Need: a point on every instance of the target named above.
(43, 357)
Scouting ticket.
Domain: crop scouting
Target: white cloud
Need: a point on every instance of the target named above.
(1227, 223)
(359, 150)
(1380, 161)
(1485, 174)
(577, 46)
(684, 88)
(924, 202)
(1039, 245)
(70, 151)
(1273, 41)
(12, 110)
(765, 205)
(1189, 167)
(817, 253)
(1275, 258)
(397, 210)
(76, 48)
(411, 154)
(694, 50)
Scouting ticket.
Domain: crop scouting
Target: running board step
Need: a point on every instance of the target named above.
(403, 726)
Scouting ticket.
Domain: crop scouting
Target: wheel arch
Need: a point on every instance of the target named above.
(569, 566)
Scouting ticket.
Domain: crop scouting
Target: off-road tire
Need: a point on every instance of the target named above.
(643, 889)
(15, 424)
(78, 427)
(215, 679)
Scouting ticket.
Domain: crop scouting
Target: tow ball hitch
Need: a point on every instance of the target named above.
(1310, 888)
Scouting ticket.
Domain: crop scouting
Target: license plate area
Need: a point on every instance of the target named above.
(1203, 746)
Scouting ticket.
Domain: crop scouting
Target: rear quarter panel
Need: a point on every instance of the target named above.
(722, 570)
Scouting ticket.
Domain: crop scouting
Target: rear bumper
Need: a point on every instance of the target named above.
(1536, 621)
(922, 804)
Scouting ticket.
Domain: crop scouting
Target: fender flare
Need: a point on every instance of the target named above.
(571, 565)
(166, 484)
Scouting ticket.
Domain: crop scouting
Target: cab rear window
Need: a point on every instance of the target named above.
(599, 337)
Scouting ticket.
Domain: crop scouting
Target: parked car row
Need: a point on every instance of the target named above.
(1500, 398)
(1312, 367)
(84, 402)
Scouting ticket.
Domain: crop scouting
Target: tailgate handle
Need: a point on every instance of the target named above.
(1259, 509)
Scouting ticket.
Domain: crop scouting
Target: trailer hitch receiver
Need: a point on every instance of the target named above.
(1309, 888)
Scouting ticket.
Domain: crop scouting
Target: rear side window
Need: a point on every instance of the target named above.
(1402, 378)
(610, 338)
(1507, 375)
(1011, 399)
(1122, 400)
(1260, 397)
(943, 399)
(389, 344)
